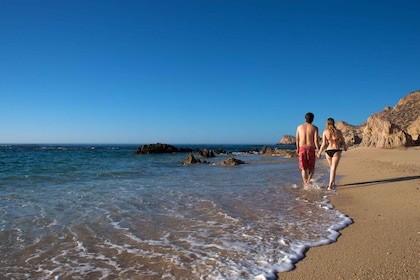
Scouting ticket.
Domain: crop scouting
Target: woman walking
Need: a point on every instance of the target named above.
(336, 144)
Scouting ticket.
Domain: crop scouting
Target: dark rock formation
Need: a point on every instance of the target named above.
(221, 151)
(276, 151)
(252, 151)
(206, 153)
(159, 148)
(231, 162)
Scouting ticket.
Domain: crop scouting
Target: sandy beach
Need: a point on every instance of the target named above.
(380, 190)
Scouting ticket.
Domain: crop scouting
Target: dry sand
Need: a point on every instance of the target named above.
(380, 190)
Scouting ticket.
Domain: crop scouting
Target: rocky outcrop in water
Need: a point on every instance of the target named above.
(231, 162)
(278, 152)
(191, 160)
(160, 148)
(287, 140)
(228, 162)
(206, 153)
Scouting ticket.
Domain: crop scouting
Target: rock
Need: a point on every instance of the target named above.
(405, 113)
(381, 133)
(276, 151)
(290, 153)
(159, 148)
(352, 134)
(231, 162)
(287, 140)
(206, 153)
(221, 151)
(252, 151)
(414, 130)
(394, 127)
(191, 160)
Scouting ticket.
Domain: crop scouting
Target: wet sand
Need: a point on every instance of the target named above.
(380, 190)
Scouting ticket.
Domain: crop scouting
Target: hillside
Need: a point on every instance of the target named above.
(394, 127)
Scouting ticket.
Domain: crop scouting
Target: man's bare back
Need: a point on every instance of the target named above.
(307, 136)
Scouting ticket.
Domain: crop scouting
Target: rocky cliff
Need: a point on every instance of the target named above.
(394, 127)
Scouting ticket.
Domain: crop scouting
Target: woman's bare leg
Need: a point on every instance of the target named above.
(329, 160)
(333, 169)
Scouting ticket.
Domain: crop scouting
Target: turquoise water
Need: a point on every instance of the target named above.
(103, 212)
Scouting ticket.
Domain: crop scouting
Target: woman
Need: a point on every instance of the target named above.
(335, 140)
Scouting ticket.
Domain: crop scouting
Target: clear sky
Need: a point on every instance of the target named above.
(198, 72)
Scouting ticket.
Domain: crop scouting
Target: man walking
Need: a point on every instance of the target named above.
(307, 139)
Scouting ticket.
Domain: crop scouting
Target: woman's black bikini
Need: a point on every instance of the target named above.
(332, 152)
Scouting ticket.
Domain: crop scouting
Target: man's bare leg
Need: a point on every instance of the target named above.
(304, 176)
(311, 174)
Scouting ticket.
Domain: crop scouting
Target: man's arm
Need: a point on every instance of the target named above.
(297, 139)
(316, 138)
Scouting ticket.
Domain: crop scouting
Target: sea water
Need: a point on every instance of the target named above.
(104, 212)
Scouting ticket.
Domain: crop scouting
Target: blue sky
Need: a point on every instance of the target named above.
(199, 72)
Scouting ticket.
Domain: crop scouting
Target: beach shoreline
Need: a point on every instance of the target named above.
(379, 190)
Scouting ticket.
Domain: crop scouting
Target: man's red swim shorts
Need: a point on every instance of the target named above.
(306, 158)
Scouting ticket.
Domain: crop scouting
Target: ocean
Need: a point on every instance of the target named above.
(104, 212)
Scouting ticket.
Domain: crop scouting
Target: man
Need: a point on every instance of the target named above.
(307, 139)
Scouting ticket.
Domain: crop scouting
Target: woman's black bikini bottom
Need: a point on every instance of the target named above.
(332, 152)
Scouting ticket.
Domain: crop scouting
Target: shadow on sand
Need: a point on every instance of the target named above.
(367, 183)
